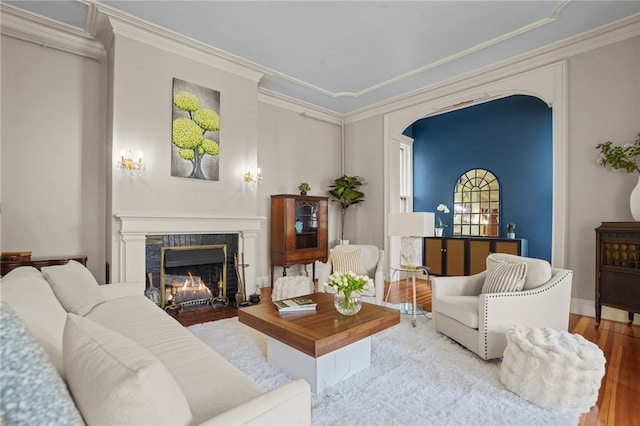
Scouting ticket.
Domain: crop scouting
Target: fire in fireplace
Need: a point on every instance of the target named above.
(193, 276)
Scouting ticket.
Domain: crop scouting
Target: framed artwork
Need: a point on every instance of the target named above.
(195, 131)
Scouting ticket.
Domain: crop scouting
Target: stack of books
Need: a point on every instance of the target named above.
(297, 304)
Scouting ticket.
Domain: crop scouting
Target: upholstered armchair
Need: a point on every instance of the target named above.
(351, 257)
(479, 320)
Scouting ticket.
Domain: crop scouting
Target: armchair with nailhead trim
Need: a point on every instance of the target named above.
(479, 321)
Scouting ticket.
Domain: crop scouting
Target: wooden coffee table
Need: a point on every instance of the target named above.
(321, 346)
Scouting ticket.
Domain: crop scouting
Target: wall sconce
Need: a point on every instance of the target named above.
(129, 166)
(253, 177)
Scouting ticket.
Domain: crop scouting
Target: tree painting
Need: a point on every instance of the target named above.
(195, 131)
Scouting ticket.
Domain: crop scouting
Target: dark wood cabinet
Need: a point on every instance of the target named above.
(466, 255)
(618, 267)
(298, 230)
(39, 262)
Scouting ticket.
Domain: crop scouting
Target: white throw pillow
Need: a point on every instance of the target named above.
(538, 270)
(504, 276)
(31, 297)
(74, 286)
(345, 261)
(115, 381)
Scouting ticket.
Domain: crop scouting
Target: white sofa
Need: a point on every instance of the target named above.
(125, 361)
(479, 321)
(371, 260)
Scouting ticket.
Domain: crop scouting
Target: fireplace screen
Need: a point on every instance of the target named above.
(193, 276)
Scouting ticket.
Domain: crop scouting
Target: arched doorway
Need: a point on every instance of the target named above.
(547, 83)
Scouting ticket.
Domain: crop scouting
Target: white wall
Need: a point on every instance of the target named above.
(142, 104)
(53, 152)
(294, 149)
(364, 157)
(604, 100)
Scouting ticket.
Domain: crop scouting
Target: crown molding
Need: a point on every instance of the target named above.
(171, 41)
(623, 29)
(305, 109)
(102, 21)
(27, 26)
(530, 27)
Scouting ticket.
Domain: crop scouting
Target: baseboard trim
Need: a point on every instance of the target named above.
(587, 308)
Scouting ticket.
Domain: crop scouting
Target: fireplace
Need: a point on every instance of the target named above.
(198, 267)
(194, 276)
(140, 237)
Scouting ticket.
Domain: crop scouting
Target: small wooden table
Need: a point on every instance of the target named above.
(321, 346)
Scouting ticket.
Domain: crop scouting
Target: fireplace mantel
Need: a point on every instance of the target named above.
(134, 229)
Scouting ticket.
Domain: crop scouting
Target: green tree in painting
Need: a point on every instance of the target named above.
(188, 133)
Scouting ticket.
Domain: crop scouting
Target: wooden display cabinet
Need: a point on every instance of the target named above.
(618, 267)
(467, 255)
(298, 231)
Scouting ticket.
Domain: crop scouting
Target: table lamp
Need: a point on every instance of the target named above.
(411, 227)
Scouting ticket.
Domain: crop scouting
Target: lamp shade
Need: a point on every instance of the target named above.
(416, 224)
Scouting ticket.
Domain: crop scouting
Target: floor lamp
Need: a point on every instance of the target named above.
(411, 228)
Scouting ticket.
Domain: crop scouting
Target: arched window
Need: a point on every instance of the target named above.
(476, 204)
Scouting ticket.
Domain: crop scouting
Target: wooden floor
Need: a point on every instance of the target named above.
(620, 390)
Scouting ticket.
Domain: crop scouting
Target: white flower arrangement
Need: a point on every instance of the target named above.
(444, 209)
(346, 282)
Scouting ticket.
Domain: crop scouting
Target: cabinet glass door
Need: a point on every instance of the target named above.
(306, 224)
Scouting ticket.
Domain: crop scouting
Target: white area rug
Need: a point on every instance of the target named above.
(417, 376)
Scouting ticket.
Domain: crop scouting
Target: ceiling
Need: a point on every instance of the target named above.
(345, 56)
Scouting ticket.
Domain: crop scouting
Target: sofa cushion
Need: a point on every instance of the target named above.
(198, 369)
(463, 309)
(31, 393)
(115, 381)
(74, 286)
(538, 270)
(347, 260)
(504, 277)
(31, 297)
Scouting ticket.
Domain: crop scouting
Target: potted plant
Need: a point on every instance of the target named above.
(440, 225)
(303, 188)
(345, 192)
(623, 158)
(511, 230)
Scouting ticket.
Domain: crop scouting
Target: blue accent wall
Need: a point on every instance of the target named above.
(510, 137)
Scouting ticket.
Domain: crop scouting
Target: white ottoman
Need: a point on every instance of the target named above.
(552, 368)
(288, 287)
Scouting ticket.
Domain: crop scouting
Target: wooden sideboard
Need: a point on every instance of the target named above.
(7, 266)
(618, 267)
(467, 255)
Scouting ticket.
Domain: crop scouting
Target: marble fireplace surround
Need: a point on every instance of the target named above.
(134, 229)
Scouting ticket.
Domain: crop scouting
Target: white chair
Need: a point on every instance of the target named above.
(479, 321)
(372, 262)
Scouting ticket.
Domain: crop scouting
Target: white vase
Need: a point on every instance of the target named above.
(439, 231)
(634, 201)
(511, 235)
(343, 242)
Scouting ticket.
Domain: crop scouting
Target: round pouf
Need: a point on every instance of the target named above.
(288, 287)
(552, 368)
